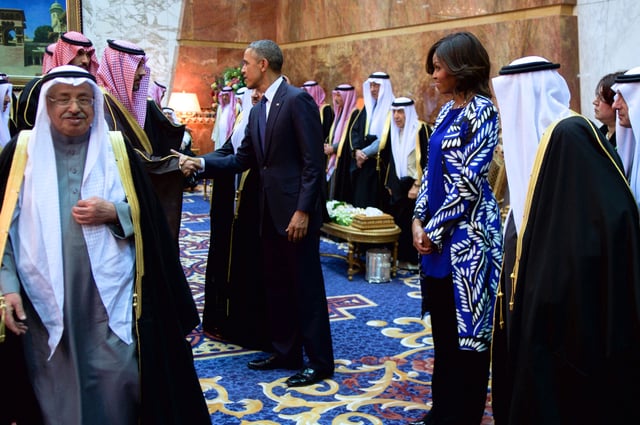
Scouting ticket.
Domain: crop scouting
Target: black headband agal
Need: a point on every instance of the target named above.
(631, 78)
(67, 74)
(344, 88)
(310, 84)
(528, 67)
(76, 42)
(407, 102)
(115, 46)
(380, 75)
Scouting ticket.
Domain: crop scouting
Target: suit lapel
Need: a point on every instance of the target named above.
(274, 110)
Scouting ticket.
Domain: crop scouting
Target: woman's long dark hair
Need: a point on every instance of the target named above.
(466, 59)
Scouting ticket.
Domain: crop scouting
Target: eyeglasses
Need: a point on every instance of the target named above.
(83, 102)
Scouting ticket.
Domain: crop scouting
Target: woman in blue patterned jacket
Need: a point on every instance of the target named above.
(457, 230)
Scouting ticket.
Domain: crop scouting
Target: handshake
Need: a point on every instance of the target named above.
(189, 165)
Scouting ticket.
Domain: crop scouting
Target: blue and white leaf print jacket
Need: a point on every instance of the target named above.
(469, 219)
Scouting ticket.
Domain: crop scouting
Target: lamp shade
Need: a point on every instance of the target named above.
(184, 103)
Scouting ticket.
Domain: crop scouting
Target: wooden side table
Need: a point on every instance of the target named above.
(354, 236)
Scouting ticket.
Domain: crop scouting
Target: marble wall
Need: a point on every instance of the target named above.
(609, 41)
(152, 24)
(335, 41)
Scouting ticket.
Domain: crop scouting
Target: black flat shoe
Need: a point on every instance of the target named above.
(308, 376)
(426, 420)
(271, 363)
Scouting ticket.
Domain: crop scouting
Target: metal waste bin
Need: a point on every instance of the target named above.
(378, 265)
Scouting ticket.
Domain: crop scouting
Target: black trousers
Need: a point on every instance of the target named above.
(402, 212)
(460, 377)
(296, 298)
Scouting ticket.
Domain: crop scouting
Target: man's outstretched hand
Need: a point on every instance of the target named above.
(189, 165)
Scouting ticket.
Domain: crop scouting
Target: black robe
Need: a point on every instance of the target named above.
(574, 331)
(27, 104)
(13, 126)
(398, 203)
(152, 146)
(163, 134)
(367, 183)
(605, 129)
(341, 180)
(170, 389)
(235, 307)
(326, 117)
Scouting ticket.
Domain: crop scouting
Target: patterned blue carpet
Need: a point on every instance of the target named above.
(383, 349)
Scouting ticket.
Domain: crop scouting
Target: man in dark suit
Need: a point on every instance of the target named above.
(290, 160)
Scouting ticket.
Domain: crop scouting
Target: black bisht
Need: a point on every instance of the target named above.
(575, 327)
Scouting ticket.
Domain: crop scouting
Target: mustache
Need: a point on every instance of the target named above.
(78, 114)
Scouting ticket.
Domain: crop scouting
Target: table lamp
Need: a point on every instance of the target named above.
(186, 105)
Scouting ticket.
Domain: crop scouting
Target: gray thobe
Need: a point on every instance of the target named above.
(92, 377)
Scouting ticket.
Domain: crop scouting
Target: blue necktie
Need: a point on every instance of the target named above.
(262, 119)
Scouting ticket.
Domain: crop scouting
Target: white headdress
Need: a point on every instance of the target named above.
(39, 238)
(378, 115)
(531, 95)
(403, 145)
(628, 139)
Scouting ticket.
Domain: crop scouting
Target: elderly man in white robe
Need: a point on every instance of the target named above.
(367, 132)
(76, 291)
(406, 156)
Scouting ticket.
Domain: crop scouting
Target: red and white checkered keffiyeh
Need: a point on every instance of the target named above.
(343, 112)
(156, 92)
(47, 58)
(67, 48)
(316, 92)
(341, 123)
(117, 72)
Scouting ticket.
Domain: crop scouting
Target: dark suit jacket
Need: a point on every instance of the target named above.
(292, 164)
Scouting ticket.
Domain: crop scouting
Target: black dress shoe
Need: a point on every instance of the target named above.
(270, 363)
(426, 420)
(308, 376)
